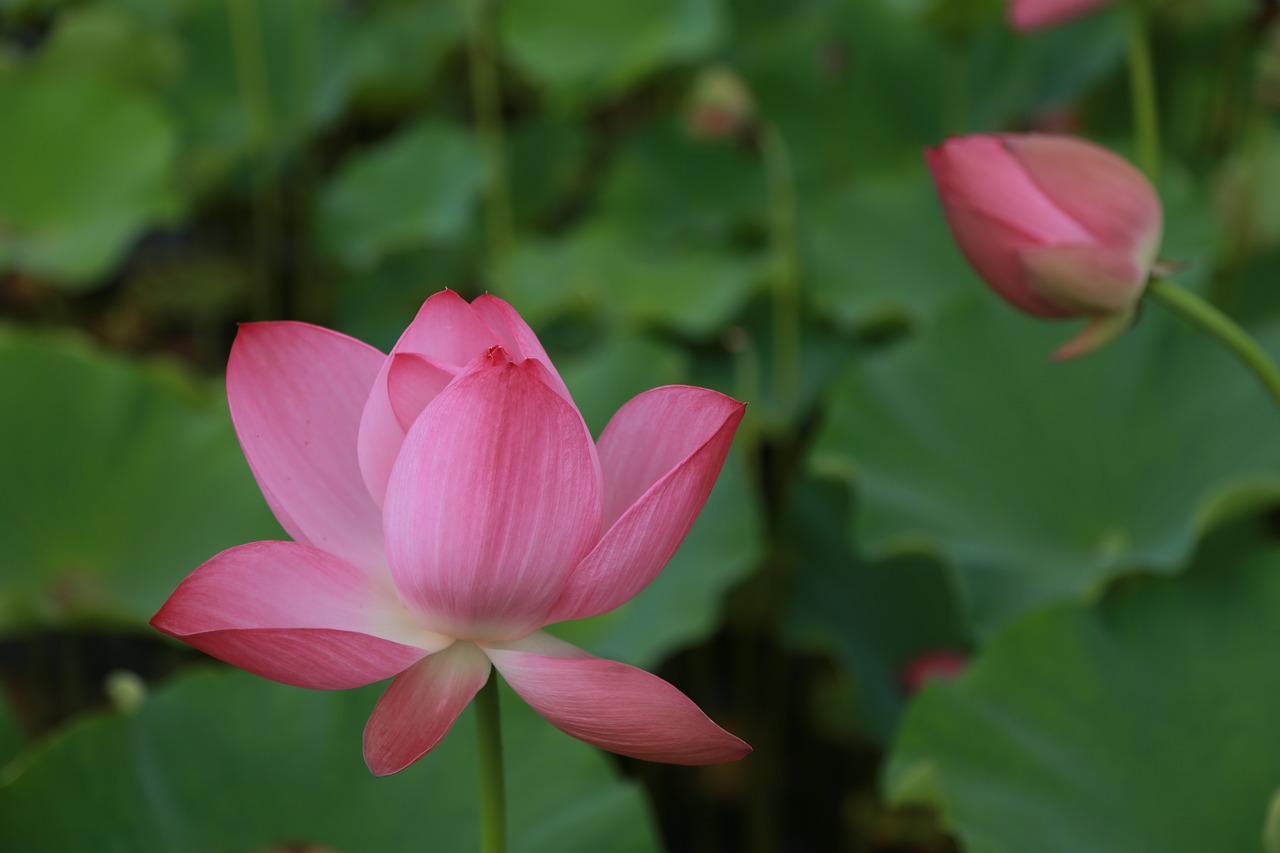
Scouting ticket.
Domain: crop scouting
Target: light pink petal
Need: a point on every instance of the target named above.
(295, 614)
(612, 705)
(494, 499)
(1099, 189)
(1100, 330)
(516, 336)
(446, 331)
(660, 456)
(413, 381)
(1034, 14)
(1084, 279)
(296, 393)
(421, 705)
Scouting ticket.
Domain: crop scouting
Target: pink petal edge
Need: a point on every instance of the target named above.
(661, 455)
(296, 615)
(611, 705)
(296, 392)
(421, 705)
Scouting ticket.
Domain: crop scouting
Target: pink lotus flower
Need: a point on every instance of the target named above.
(1058, 226)
(1029, 15)
(447, 502)
(942, 664)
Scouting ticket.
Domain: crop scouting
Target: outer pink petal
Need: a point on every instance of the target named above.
(446, 331)
(660, 456)
(979, 173)
(494, 499)
(1097, 188)
(296, 392)
(612, 705)
(1033, 14)
(517, 337)
(421, 705)
(295, 614)
(1084, 279)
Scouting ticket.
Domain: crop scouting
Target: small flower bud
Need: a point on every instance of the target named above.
(1059, 227)
(1027, 15)
(719, 105)
(939, 663)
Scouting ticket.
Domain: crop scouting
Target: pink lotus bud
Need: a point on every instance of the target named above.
(1058, 226)
(1029, 15)
(939, 663)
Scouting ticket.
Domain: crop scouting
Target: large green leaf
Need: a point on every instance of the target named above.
(71, 202)
(223, 760)
(418, 187)
(580, 49)
(690, 289)
(1040, 481)
(119, 480)
(1145, 722)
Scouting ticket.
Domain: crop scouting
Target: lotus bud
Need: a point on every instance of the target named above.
(943, 664)
(1027, 15)
(1059, 227)
(719, 105)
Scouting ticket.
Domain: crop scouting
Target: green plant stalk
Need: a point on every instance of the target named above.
(486, 103)
(780, 180)
(1222, 327)
(493, 793)
(1142, 87)
(251, 73)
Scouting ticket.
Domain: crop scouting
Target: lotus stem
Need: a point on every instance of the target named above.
(1142, 88)
(1222, 327)
(493, 794)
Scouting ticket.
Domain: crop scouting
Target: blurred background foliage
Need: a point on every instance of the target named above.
(722, 192)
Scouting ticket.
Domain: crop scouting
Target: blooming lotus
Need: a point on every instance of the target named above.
(1059, 227)
(1028, 15)
(446, 502)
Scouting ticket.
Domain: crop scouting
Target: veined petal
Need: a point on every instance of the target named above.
(446, 332)
(612, 705)
(295, 614)
(516, 336)
(421, 705)
(660, 455)
(296, 392)
(495, 497)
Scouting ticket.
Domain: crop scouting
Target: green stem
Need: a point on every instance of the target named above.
(1143, 92)
(493, 794)
(251, 72)
(1222, 327)
(786, 279)
(486, 103)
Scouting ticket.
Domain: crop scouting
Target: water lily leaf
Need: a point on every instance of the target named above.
(120, 479)
(418, 187)
(580, 49)
(71, 203)
(691, 290)
(10, 732)
(1144, 722)
(222, 760)
(1040, 481)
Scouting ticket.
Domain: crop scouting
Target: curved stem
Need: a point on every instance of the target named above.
(1143, 92)
(493, 794)
(1222, 327)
